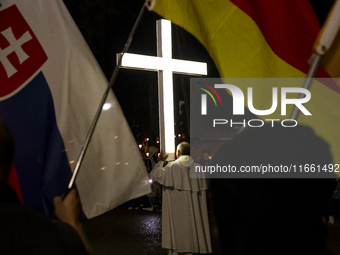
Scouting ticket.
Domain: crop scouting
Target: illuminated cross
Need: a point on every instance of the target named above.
(165, 66)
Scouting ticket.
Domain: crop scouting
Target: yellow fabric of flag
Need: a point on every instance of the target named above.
(262, 39)
(331, 60)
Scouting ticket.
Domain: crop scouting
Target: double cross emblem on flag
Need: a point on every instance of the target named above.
(21, 54)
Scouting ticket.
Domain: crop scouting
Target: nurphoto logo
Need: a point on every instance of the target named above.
(239, 104)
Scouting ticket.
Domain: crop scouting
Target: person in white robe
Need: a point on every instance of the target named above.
(185, 223)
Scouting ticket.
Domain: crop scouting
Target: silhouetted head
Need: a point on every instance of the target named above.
(152, 151)
(272, 216)
(205, 156)
(6, 151)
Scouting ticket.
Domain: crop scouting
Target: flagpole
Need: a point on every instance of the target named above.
(322, 45)
(307, 83)
(104, 97)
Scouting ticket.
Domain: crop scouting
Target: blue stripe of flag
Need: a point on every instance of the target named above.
(40, 159)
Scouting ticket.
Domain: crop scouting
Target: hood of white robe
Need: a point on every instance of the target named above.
(185, 160)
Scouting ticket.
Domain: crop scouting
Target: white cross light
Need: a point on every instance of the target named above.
(165, 66)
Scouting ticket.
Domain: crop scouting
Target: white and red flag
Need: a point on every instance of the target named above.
(50, 88)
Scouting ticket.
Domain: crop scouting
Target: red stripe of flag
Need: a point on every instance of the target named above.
(290, 29)
(14, 182)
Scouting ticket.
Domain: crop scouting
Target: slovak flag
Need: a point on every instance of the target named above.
(50, 88)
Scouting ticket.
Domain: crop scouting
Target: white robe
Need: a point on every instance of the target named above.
(185, 223)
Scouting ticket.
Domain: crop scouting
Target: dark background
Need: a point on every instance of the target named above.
(106, 24)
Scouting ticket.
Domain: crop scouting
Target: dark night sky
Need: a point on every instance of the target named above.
(106, 24)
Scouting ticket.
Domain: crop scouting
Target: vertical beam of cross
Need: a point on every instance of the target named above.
(165, 89)
(165, 66)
